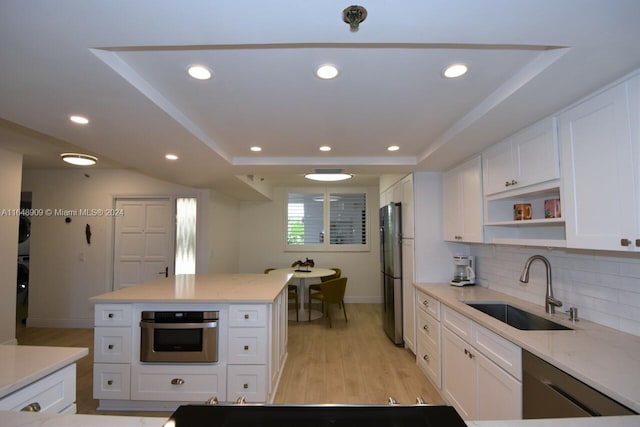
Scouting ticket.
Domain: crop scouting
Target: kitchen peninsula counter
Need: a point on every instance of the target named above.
(202, 288)
(604, 358)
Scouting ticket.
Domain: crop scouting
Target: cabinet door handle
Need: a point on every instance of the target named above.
(110, 315)
(426, 357)
(32, 407)
(246, 316)
(245, 386)
(426, 328)
(638, 243)
(109, 382)
(625, 242)
(514, 182)
(110, 346)
(425, 303)
(177, 381)
(507, 183)
(246, 347)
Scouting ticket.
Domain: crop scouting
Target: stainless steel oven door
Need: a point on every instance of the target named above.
(179, 342)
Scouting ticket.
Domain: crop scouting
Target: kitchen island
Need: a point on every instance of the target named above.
(250, 337)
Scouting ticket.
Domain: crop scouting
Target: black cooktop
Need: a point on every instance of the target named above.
(315, 416)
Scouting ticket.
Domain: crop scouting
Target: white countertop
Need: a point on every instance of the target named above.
(202, 288)
(606, 359)
(31, 419)
(20, 365)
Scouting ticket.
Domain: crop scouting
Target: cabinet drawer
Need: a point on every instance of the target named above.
(111, 381)
(113, 315)
(178, 383)
(428, 359)
(428, 303)
(248, 381)
(248, 315)
(428, 328)
(112, 345)
(247, 346)
(52, 393)
(501, 351)
(457, 323)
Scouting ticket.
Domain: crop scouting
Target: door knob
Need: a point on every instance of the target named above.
(165, 272)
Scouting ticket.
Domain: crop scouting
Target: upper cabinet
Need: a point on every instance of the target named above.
(526, 158)
(402, 192)
(600, 146)
(462, 202)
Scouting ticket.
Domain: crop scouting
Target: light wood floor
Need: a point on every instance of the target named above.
(352, 362)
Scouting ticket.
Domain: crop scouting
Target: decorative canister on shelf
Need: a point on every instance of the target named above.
(521, 211)
(552, 208)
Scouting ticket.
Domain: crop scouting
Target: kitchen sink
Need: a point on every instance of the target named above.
(516, 317)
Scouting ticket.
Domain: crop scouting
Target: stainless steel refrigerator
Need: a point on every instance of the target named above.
(391, 270)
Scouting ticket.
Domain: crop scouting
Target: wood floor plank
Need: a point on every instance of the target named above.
(353, 363)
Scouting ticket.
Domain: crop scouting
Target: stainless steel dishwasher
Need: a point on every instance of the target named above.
(548, 392)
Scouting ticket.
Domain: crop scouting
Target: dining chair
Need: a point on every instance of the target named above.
(292, 293)
(316, 286)
(331, 292)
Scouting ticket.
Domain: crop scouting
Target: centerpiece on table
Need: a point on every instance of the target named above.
(303, 266)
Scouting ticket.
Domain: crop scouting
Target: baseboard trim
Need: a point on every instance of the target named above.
(59, 323)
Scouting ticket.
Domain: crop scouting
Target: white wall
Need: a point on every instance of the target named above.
(605, 286)
(223, 225)
(10, 177)
(64, 270)
(262, 245)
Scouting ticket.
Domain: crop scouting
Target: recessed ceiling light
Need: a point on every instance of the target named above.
(327, 72)
(79, 120)
(256, 148)
(171, 157)
(199, 72)
(79, 159)
(325, 148)
(455, 70)
(393, 148)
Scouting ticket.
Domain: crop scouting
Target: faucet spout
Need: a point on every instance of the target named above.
(550, 303)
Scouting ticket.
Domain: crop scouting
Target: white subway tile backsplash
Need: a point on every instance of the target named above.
(604, 287)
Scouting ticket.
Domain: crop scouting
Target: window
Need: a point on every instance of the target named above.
(186, 210)
(327, 221)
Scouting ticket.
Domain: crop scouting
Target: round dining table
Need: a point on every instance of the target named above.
(302, 274)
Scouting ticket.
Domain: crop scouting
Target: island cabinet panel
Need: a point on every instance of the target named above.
(248, 381)
(54, 393)
(248, 315)
(111, 381)
(178, 382)
(112, 345)
(113, 315)
(247, 346)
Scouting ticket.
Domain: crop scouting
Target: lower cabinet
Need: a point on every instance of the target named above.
(177, 382)
(481, 384)
(54, 393)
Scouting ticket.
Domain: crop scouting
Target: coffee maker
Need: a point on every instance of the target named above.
(464, 273)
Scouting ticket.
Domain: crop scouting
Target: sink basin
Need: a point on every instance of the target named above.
(516, 317)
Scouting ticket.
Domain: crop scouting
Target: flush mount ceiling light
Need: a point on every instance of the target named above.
(328, 175)
(199, 72)
(455, 70)
(256, 148)
(79, 120)
(171, 157)
(393, 148)
(327, 72)
(79, 159)
(325, 148)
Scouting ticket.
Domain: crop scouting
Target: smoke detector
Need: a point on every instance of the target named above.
(354, 15)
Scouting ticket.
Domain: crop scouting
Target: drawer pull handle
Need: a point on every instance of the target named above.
(468, 353)
(177, 381)
(213, 400)
(110, 315)
(241, 401)
(425, 303)
(625, 242)
(246, 347)
(110, 346)
(32, 407)
(245, 386)
(109, 382)
(638, 243)
(426, 328)
(426, 357)
(246, 316)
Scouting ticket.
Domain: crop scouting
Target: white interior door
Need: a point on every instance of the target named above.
(143, 244)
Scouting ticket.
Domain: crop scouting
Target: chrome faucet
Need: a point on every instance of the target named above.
(550, 303)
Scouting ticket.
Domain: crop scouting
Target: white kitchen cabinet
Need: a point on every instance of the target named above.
(462, 202)
(600, 148)
(428, 345)
(177, 382)
(481, 371)
(408, 296)
(54, 393)
(407, 207)
(529, 157)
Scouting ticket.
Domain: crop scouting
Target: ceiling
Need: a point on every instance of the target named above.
(123, 65)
